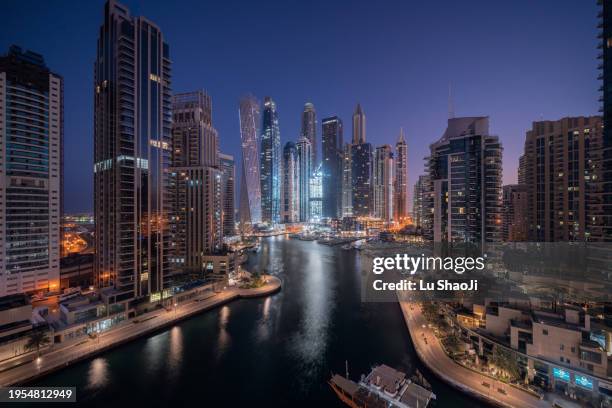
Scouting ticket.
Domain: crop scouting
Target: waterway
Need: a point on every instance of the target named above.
(277, 351)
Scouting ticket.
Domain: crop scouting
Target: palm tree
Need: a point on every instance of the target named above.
(37, 339)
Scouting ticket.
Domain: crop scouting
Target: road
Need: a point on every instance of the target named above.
(430, 351)
(143, 324)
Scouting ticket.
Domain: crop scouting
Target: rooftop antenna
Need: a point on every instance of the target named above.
(451, 103)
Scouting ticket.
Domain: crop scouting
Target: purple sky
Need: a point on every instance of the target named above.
(516, 61)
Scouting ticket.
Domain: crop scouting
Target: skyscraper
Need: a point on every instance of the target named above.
(31, 133)
(270, 164)
(359, 126)
(401, 178)
(316, 195)
(347, 182)
(290, 188)
(361, 173)
(305, 171)
(332, 168)
(309, 130)
(131, 154)
(199, 183)
(383, 183)
(559, 165)
(514, 227)
(418, 202)
(464, 198)
(361, 167)
(228, 173)
(600, 211)
(250, 188)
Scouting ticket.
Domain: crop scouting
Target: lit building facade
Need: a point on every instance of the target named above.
(347, 182)
(401, 178)
(383, 183)
(514, 225)
(305, 171)
(309, 130)
(31, 135)
(418, 202)
(228, 172)
(250, 187)
(465, 192)
(132, 127)
(359, 126)
(316, 196)
(290, 191)
(559, 165)
(270, 164)
(332, 167)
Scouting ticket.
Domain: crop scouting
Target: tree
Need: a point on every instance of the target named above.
(506, 362)
(37, 339)
(431, 311)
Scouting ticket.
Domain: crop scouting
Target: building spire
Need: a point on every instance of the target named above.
(401, 136)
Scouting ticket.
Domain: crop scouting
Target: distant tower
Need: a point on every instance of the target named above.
(331, 167)
(290, 192)
(347, 182)
(250, 192)
(309, 130)
(359, 126)
(228, 173)
(382, 180)
(270, 164)
(401, 178)
(305, 169)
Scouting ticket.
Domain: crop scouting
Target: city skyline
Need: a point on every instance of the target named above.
(531, 92)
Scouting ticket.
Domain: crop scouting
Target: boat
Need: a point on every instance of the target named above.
(384, 387)
(347, 247)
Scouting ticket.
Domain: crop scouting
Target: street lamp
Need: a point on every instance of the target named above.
(175, 305)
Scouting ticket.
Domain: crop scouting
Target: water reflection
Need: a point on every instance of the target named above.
(264, 324)
(98, 373)
(311, 339)
(153, 352)
(175, 356)
(224, 336)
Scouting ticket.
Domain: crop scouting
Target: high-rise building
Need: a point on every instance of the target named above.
(558, 167)
(464, 190)
(331, 167)
(250, 187)
(361, 173)
(132, 125)
(514, 213)
(199, 183)
(361, 167)
(418, 202)
(270, 164)
(316, 195)
(31, 136)
(401, 178)
(195, 141)
(359, 126)
(347, 182)
(600, 206)
(290, 186)
(383, 183)
(228, 172)
(305, 172)
(309, 130)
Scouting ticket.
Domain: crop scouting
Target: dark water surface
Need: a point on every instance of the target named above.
(277, 351)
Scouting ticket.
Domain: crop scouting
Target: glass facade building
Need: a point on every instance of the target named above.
(309, 130)
(305, 172)
(270, 164)
(250, 188)
(331, 167)
(132, 128)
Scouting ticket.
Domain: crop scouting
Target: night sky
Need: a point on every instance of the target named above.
(516, 61)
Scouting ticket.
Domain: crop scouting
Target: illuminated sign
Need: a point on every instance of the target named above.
(584, 382)
(561, 374)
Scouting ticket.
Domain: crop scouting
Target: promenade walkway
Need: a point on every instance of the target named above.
(430, 352)
(144, 324)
